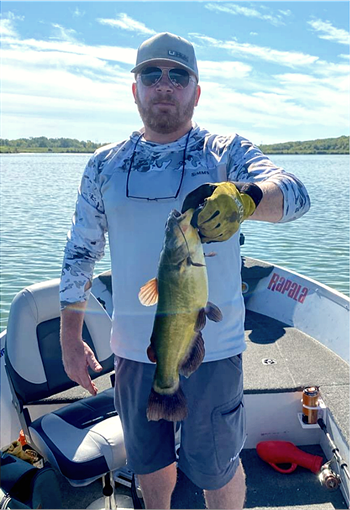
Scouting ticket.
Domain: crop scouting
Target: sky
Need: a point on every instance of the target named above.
(270, 71)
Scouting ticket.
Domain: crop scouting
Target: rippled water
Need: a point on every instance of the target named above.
(39, 192)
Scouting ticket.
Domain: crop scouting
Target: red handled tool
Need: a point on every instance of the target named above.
(284, 452)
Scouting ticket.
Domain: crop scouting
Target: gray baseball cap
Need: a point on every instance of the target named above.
(168, 47)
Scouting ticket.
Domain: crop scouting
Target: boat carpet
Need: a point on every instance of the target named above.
(266, 488)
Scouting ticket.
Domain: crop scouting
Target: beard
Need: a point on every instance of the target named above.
(167, 121)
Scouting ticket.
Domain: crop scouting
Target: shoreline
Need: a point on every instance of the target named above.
(43, 145)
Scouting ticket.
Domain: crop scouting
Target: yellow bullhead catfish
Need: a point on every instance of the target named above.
(181, 294)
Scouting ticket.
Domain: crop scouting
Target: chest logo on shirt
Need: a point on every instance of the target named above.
(200, 172)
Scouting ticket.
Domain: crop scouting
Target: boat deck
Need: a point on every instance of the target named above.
(266, 488)
(299, 361)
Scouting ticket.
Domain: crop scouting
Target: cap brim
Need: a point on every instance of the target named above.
(145, 62)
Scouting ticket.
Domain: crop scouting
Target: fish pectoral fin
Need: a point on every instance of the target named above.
(171, 407)
(148, 294)
(213, 312)
(190, 262)
(197, 264)
(195, 356)
(201, 320)
(151, 354)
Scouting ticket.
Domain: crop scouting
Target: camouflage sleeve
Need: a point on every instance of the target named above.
(85, 240)
(248, 163)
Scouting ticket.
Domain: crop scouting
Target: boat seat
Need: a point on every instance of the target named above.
(84, 439)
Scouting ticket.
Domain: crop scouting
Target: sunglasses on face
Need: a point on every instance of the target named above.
(179, 78)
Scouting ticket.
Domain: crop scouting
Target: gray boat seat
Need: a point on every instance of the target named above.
(84, 439)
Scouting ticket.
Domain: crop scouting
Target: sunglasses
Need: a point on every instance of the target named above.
(179, 78)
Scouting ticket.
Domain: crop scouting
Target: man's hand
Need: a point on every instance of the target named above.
(77, 357)
(221, 207)
(76, 354)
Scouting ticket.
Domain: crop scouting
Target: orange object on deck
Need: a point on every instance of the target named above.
(22, 438)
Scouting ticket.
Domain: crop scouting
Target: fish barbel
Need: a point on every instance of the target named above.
(181, 294)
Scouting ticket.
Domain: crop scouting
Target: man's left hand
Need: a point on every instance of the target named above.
(221, 207)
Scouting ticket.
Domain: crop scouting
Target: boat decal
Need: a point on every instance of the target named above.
(288, 287)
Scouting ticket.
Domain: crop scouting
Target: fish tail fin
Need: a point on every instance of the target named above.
(194, 357)
(167, 407)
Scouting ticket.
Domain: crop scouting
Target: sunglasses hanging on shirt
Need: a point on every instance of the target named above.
(135, 173)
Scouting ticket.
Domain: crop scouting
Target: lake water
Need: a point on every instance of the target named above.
(38, 198)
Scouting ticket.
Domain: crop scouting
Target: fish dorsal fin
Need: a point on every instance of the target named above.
(148, 294)
(213, 312)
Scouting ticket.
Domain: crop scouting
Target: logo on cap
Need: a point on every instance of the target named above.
(177, 54)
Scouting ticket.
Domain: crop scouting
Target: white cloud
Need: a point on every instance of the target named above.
(87, 65)
(104, 53)
(329, 32)
(7, 28)
(64, 34)
(285, 58)
(314, 100)
(57, 102)
(124, 22)
(224, 70)
(294, 107)
(7, 24)
(64, 87)
(249, 12)
(78, 13)
(286, 12)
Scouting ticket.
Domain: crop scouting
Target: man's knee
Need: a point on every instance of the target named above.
(231, 495)
(157, 487)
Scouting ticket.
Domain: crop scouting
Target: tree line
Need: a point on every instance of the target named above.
(338, 145)
(43, 144)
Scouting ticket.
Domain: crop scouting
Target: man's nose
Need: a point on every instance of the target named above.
(165, 82)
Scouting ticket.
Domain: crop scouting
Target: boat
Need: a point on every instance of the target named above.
(297, 335)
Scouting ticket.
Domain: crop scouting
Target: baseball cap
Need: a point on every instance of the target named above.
(168, 47)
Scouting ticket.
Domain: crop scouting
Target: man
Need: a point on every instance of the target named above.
(129, 188)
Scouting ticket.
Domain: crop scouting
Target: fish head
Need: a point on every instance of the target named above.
(181, 238)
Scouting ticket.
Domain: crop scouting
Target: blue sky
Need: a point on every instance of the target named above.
(270, 71)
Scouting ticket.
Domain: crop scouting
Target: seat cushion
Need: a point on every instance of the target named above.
(84, 440)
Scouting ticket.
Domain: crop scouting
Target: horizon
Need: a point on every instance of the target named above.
(274, 72)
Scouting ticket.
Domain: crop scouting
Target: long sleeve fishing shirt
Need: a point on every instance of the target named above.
(116, 195)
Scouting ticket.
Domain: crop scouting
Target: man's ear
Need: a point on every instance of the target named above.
(134, 89)
(198, 95)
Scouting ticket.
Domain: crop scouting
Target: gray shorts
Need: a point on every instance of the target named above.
(212, 435)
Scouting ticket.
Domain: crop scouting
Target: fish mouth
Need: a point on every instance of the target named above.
(173, 215)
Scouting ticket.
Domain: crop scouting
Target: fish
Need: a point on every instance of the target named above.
(180, 291)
